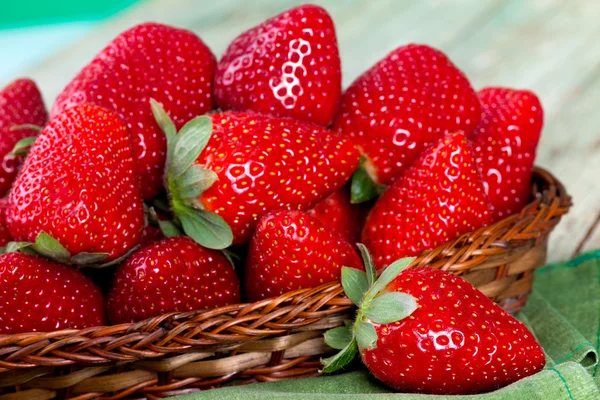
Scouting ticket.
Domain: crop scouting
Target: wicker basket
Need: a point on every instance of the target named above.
(274, 339)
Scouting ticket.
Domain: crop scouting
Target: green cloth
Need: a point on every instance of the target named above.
(563, 312)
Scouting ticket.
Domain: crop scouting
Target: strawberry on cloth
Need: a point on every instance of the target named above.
(424, 330)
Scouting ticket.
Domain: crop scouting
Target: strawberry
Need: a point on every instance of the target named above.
(505, 143)
(150, 234)
(169, 64)
(427, 331)
(338, 213)
(225, 171)
(172, 275)
(5, 235)
(408, 100)
(439, 198)
(38, 295)
(20, 104)
(291, 250)
(288, 66)
(78, 192)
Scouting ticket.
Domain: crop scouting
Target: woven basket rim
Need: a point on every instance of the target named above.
(225, 328)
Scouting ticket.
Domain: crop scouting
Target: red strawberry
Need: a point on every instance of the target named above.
(288, 66)
(79, 185)
(409, 99)
(505, 143)
(174, 274)
(291, 250)
(248, 165)
(338, 213)
(20, 104)
(427, 331)
(40, 296)
(440, 197)
(150, 235)
(5, 235)
(169, 64)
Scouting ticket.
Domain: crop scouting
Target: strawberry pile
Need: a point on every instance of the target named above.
(165, 180)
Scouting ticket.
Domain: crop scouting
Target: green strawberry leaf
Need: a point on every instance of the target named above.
(14, 247)
(366, 336)
(341, 359)
(161, 204)
(84, 258)
(189, 143)
(368, 263)
(35, 128)
(390, 307)
(117, 260)
(49, 247)
(165, 123)
(194, 181)
(230, 256)
(23, 146)
(206, 228)
(388, 275)
(355, 285)
(339, 337)
(363, 188)
(169, 228)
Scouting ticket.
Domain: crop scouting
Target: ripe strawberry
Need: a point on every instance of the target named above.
(427, 331)
(169, 64)
(338, 213)
(406, 101)
(505, 143)
(79, 186)
(5, 235)
(288, 66)
(174, 274)
(20, 104)
(150, 234)
(291, 250)
(226, 171)
(40, 296)
(440, 197)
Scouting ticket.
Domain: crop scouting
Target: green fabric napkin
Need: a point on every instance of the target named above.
(563, 312)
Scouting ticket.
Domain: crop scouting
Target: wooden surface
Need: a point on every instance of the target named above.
(549, 46)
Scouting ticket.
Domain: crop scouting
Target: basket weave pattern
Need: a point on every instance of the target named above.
(274, 339)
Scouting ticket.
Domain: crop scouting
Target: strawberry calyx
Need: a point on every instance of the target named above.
(375, 305)
(22, 147)
(185, 181)
(48, 247)
(363, 187)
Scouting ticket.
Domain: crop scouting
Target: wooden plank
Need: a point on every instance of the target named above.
(548, 47)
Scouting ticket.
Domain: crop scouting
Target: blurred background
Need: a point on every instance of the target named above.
(549, 46)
